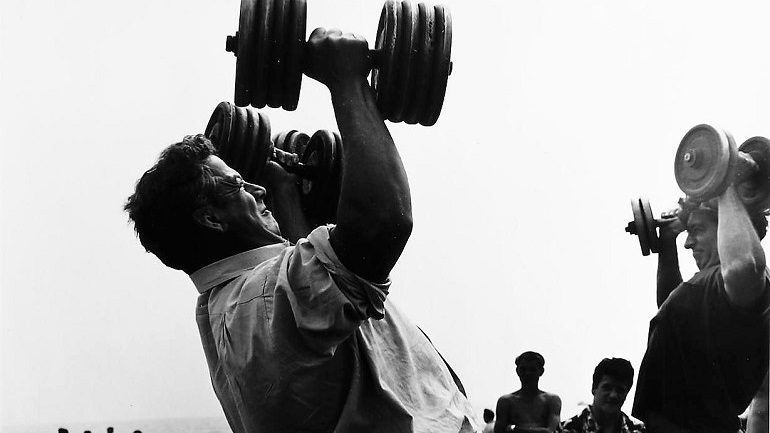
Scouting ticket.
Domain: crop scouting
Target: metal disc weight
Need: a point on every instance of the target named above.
(219, 126)
(245, 53)
(640, 226)
(754, 191)
(703, 161)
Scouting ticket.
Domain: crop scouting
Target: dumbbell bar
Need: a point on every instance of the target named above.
(411, 61)
(644, 226)
(242, 138)
(707, 161)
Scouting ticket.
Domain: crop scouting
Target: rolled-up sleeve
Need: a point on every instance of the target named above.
(327, 300)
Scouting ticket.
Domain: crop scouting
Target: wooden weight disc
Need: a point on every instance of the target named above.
(219, 126)
(755, 190)
(422, 71)
(275, 74)
(295, 50)
(703, 162)
(245, 54)
(384, 72)
(406, 50)
(238, 141)
(264, 23)
(442, 65)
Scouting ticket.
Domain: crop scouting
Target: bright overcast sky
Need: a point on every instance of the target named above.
(556, 114)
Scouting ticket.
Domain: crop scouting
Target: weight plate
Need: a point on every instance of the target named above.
(422, 64)
(406, 51)
(649, 225)
(220, 123)
(264, 148)
(238, 141)
(442, 65)
(275, 75)
(703, 162)
(264, 36)
(319, 155)
(245, 55)
(252, 141)
(280, 140)
(384, 65)
(755, 190)
(295, 49)
(640, 227)
(298, 142)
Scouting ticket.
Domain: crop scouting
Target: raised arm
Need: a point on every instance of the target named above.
(669, 276)
(741, 257)
(374, 214)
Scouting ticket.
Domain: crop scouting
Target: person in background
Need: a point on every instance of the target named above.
(611, 382)
(528, 410)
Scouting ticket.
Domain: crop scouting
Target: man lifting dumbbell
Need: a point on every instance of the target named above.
(301, 337)
(707, 351)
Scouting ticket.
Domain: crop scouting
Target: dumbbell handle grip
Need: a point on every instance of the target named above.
(290, 162)
(745, 166)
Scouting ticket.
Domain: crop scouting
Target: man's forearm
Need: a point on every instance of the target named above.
(669, 276)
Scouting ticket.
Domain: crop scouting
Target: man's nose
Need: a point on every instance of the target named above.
(255, 190)
(689, 242)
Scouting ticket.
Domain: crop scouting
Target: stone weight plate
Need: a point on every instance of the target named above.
(406, 59)
(295, 49)
(384, 65)
(219, 126)
(442, 65)
(275, 71)
(703, 162)
(422, 71)
(246, 53)
(755, 190)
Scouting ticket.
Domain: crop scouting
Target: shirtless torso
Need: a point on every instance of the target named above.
(537, 412)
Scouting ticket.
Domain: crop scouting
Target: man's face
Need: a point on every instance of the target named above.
(702, 239)
(609, 395)
(241, 207)
(529, 371)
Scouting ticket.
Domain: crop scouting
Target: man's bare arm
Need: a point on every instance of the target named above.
(669, 275)
(502, 415)
(374, 214)
(742, 259)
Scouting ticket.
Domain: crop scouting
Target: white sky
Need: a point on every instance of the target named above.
(556, 114)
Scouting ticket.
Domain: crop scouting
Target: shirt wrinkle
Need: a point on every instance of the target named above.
(324, 351)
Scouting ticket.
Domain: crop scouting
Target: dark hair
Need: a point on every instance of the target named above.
(533, 356)
(617, 368)
(488, 415)
(758, 218)
(166, 196)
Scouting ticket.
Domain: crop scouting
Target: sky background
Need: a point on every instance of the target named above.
(557, 113)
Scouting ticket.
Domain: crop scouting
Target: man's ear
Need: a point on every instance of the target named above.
(207, 217)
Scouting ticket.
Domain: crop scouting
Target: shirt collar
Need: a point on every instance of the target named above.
(220, 271)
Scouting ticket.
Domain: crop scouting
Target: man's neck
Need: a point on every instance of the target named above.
(530, 389)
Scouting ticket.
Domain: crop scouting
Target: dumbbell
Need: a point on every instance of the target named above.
(707, 162)
(242, 139)
(410, 63)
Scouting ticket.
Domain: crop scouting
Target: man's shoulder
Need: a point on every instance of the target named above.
(632, 425)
